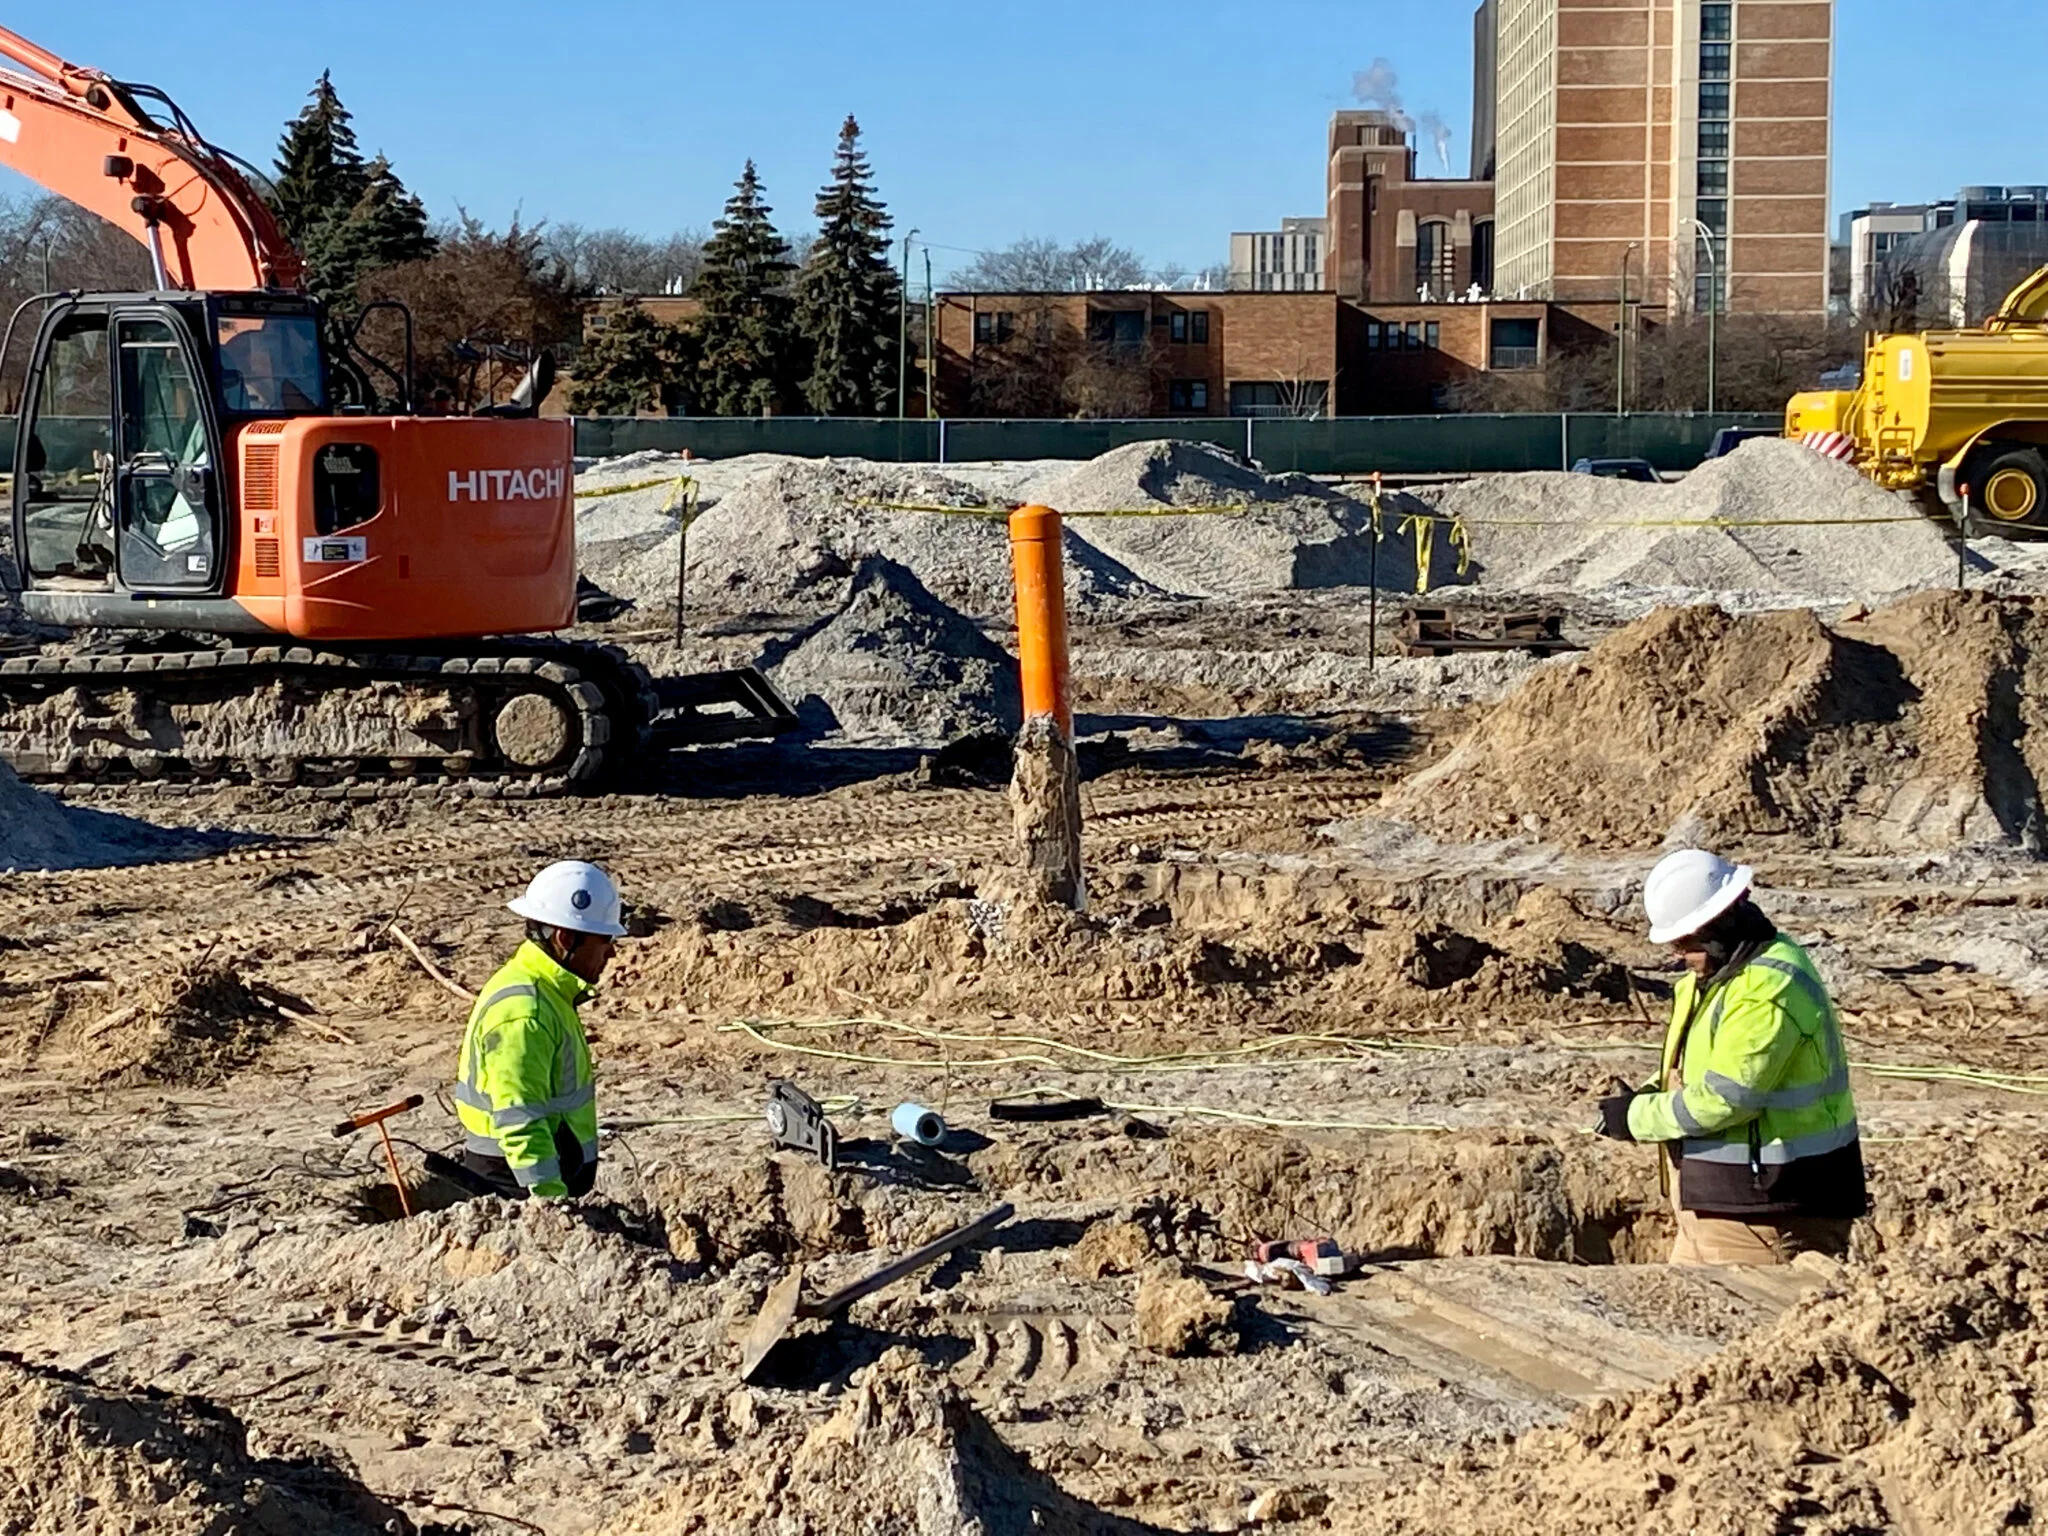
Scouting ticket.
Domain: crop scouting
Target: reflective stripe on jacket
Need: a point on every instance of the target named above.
(1764, 1123)
(525, 1070)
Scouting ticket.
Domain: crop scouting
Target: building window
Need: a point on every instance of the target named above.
(1482, 255)
(1717, 22)
(1515, 344)
(1179, 329)
(984, 329)
(1304, 398)
(1433, 336)
(1713, 141)
(1713, 178)
(1436, 261)
(1372, 335)
(1198, 328)
(1189, 394)
(1713, 98)
(1715, 60)
(1713, 212)
(1006, 325)
(1414, 335)
(1120, 330)
(1709, 292)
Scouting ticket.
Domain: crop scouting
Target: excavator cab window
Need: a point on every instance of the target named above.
(67, 490)
(270, 363)
(164, 484)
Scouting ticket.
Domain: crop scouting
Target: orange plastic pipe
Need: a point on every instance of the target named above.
(1041, 615)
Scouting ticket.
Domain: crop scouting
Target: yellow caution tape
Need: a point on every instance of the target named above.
(992, 510)
(624, 490)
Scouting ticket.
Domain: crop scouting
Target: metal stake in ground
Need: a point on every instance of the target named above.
(377, 1117)
(1045, 792)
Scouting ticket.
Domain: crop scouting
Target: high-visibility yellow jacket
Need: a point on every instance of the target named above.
(525, 1072)
(1764, 1123)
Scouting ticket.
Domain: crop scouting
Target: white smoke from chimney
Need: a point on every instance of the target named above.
(1439, 131)
(1378, 85)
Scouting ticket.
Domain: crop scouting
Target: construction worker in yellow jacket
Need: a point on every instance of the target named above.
(525, 1096)
(1752, 1105)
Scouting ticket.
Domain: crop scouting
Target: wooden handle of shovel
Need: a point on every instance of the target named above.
(910, 1263)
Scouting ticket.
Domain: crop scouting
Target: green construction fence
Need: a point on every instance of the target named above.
(1345, 445)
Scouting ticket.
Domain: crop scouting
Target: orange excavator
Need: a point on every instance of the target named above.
(281, 588)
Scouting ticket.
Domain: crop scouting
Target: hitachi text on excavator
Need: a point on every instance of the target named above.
(297, 590)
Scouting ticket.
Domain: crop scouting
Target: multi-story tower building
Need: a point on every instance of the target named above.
(1685, 141)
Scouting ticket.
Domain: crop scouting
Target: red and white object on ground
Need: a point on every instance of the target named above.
(1320, 1254)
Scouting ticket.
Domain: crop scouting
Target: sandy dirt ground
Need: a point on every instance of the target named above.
(1425, 1036)
(1362, 947)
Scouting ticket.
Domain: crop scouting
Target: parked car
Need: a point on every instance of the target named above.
(1619, 469)
(1728, 439)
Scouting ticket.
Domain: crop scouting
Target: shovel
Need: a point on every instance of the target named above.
(785, 1303)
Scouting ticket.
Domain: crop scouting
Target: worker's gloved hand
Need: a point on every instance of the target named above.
(1614, 1117)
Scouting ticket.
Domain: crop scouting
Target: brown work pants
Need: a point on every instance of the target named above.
(1706, 1239)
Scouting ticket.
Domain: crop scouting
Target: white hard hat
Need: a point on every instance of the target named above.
(1689, 889)
(573, 895)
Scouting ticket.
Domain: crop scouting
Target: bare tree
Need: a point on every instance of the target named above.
(616, 261)
(50, 245)
(1034, 265)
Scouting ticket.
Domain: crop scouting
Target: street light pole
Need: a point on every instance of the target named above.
(1621, 337)
(931, 344)
(903, 330)
(1713, 316)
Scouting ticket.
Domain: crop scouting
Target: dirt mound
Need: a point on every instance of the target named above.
(1803, 542)
(1290, 532)
(1168, 473)
(897, 662)
(34, 831)
(87, 1460)
(1913, 728)
(1901, 1399)
(594, 1279)
(781, 534)
(194, 1026)
(1250, 952)
(903, 1454)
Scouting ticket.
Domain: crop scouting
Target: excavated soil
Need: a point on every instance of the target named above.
(1901, 1397)
(1266, 1025)
(900, 1453)
(85, 1459)
(194, 1026)
(1910, 728)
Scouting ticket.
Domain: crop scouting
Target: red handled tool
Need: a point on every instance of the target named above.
(377, 1117)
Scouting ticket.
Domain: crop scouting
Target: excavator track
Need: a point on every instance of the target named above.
(514, 719)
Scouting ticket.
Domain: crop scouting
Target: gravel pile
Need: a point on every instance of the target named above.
(896, 662)
(1537, 532)
(780, 534)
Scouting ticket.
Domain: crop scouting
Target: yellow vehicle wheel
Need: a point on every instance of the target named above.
(2013, 489)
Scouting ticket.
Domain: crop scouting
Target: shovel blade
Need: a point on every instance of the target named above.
(772, 1322)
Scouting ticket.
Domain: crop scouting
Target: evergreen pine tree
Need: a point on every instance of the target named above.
(749, 341)
(635, 363)
(387, 225)
(320, 172)
(848, 293)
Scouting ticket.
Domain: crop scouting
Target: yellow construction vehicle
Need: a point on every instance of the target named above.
(1962, 415)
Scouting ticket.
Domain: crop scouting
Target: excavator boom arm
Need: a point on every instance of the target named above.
(90, 140)
(2025, 305)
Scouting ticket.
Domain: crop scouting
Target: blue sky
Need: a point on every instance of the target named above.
(1163, 126)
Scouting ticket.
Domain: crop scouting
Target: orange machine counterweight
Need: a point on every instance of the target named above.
(1041, 615)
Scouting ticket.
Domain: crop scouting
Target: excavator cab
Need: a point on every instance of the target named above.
(128, 407)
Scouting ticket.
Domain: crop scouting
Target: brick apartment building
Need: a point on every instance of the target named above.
(1619, 123)
(1395, 236)
(1235, 354)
